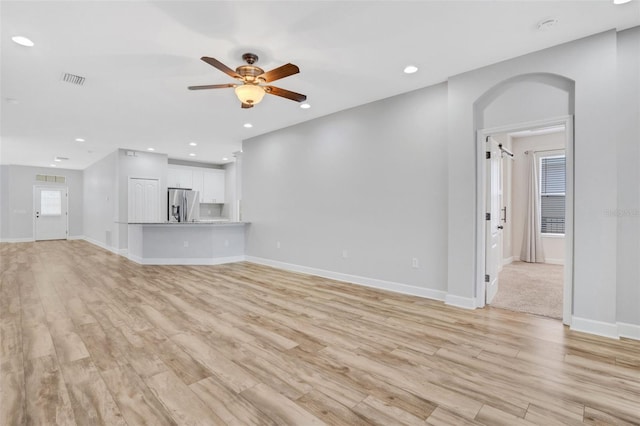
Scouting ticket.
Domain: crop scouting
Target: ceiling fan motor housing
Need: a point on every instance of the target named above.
(250, 58)
(249, 72)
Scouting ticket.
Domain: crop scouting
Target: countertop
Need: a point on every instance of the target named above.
(200, 222)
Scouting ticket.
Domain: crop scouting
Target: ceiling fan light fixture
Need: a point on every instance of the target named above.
(250, 94)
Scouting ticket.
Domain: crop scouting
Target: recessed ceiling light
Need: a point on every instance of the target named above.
(57, 160)
(247, 125)
(192, 154)
(193, 144)
(79, 140)
(410, 69)
(547, 23)
(52, 165)
(151, 149)
(22, 41)
(305, 106)
(621, 1)
(225, 159)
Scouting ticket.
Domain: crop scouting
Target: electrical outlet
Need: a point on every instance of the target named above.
(415, 263)
(277, 244)
(186, 243)
(345, 254)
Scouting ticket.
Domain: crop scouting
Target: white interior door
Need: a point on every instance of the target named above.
(144, 200)
(493, 227)
(51, 206)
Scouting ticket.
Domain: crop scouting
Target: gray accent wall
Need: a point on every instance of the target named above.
(591, 63)
(396, 179)
(371, 181)
(16, 197)
(106, 190)
(101, 200)
(627, 137)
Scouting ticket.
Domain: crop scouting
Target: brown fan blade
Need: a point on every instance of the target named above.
(222, 67)
(212, 86)
(247, 106)
(280, 72)
(285, 93)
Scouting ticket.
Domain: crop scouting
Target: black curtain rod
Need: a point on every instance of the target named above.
(505, 150)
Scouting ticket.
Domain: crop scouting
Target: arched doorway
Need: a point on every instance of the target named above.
(542, 100)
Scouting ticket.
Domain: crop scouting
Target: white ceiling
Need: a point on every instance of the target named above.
(138, 57)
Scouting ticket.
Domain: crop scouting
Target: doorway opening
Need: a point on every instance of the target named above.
(527, 194)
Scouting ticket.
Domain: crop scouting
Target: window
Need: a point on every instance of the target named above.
(50, 203)
(552, 194)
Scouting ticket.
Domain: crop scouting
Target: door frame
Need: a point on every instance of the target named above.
(33, 206)
(481, 170)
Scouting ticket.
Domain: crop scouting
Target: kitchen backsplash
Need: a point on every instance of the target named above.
(209, 211)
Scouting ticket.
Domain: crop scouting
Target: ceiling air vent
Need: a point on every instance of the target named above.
(73, 79)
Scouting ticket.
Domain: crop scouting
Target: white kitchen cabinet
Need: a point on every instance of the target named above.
(213, 190)
(198, 183)
(210, 183)
(179, 177)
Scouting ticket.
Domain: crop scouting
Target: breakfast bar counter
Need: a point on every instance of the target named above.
(186, 243)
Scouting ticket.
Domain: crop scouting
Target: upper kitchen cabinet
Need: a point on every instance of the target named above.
(179, 177)
(198, 183)
(213, 186)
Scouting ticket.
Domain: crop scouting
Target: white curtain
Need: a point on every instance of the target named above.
(531, 239)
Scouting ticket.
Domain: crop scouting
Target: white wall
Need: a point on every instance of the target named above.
(370, 180)
(628, 167)
(16, 197)
(5, 208)
(101, 201)
(146, 165)
(591, 64)
(554, 247)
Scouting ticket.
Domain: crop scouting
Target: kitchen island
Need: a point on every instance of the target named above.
(187, 243)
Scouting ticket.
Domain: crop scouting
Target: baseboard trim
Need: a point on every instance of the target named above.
(599, 328)
(460, 302)
(546, 260)
(395, 287)
(17, 240)
(76, 237)
(101, 245)
(630, 331)
(507, 261)
(186, 261)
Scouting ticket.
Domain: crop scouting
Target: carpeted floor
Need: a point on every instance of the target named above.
(535, 288)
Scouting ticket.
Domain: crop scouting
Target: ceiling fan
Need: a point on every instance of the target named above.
(253, 78)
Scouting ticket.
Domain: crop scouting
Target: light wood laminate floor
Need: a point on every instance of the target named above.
(91, 338)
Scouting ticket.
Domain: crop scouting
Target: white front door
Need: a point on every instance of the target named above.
(493, 227)
(50, 213)
(144, 200)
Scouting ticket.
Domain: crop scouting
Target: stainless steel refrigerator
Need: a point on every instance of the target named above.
(184, 205)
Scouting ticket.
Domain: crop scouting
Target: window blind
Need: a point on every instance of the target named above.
(552, 194)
